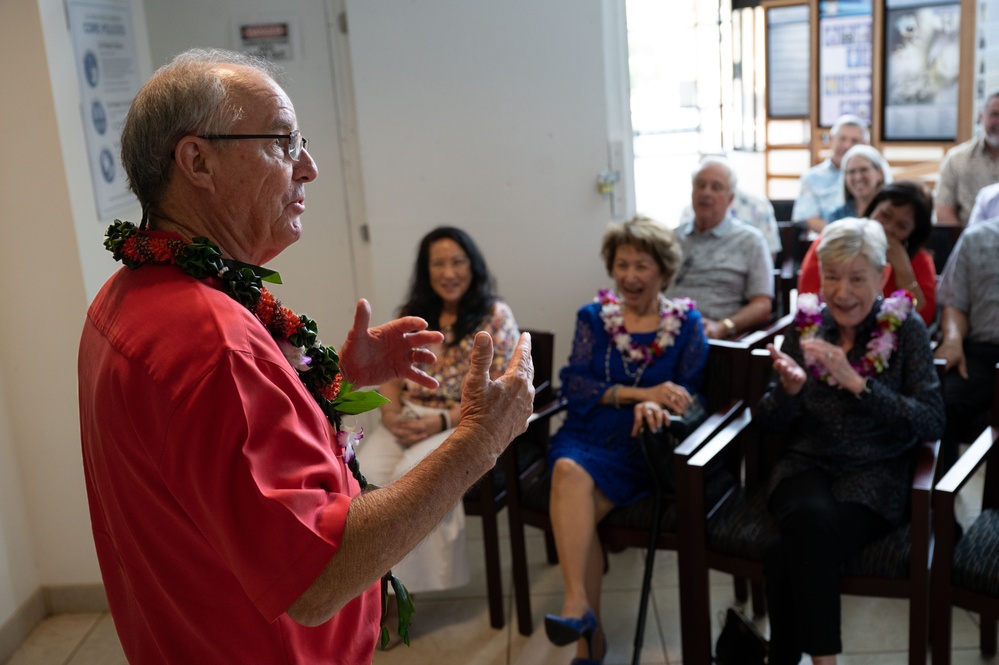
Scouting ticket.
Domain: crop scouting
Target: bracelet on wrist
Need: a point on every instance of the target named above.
(613, 395)
(443, 421)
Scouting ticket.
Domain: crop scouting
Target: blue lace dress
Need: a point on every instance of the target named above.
(598, 436)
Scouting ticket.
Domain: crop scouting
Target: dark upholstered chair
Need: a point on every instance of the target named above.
(728, 362)
(966, 573)
(732, 538)
(941, 242)
(488, 496)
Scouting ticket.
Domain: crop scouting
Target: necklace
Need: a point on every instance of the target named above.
(672, 314)
(317, 365)
(895, 309)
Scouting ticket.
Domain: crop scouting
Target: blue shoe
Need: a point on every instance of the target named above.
(562, 631)
(591, 660)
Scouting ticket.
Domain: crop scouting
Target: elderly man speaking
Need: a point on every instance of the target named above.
(230, 520)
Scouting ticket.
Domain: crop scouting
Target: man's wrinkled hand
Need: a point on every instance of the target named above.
(498, 409)
(393, 350)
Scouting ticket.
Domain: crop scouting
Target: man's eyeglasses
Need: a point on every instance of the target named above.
(296, 143)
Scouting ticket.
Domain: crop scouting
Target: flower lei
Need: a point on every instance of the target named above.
(895, 309)
(672, 314)
(317, 365)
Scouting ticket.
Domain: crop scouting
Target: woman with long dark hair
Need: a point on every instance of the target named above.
(453, 291)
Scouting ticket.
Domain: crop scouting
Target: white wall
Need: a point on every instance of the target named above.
(44, 524)
(490, 116)
(318, 274)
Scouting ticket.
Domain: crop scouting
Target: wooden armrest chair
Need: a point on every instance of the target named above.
(965, 573)
(731, 536)
(488, 496)
(632, 526)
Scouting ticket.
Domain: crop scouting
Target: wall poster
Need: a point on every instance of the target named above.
(922, 61)
(108, 75)
(845, 47)
(788, 49)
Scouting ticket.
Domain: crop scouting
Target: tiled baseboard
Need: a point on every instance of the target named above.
(46, 602)
(75, 599)
(14, 631)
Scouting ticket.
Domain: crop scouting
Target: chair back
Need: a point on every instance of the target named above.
(543, 356)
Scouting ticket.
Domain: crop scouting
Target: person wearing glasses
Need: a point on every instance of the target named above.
(226, 505)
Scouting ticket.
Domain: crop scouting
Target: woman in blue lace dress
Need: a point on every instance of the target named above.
(855, 392)
(637, 358)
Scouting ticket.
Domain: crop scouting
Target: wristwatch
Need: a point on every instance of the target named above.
(729, 326)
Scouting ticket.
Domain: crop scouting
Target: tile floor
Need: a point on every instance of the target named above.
(453, 627)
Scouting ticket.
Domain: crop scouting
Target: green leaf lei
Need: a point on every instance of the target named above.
(319, 371)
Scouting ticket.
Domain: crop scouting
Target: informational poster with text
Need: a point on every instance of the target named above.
(107, 71)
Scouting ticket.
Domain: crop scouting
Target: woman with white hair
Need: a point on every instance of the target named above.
(855, 391)
(865, 172)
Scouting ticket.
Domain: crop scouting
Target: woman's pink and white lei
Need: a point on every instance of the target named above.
(884, 340)
(672, 314)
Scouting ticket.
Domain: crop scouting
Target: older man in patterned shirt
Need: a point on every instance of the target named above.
(969, 292)
(727, 268)
(968, 167)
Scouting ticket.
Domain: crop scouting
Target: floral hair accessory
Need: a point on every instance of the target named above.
(895, 309)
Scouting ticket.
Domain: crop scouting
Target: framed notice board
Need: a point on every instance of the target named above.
(922, 58)
(845, 49)
(788, 56)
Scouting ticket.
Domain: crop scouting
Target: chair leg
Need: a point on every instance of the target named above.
(521, 583)
(940, 632)
(759, 598)
(918, 626)
(741, 589)
(550, 549)
(988, 635)
(494, 576)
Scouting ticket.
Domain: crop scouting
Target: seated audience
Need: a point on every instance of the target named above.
(637, 358)
(727, 267)
(822, 184)
(986, 204)
(905, 210)
(968, 167)
(754, 210)
(453, 291)
(865, 172)
(855, 392)
(969, 291)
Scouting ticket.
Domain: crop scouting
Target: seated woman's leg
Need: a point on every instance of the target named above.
(803, 565)
(576, 505)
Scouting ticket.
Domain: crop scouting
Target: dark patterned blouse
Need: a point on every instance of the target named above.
(865, 443)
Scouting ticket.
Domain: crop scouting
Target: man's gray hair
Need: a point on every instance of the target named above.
(708, 160)
(850, 120)
(193, 94)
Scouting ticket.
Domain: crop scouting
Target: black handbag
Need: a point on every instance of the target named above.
(741, 642)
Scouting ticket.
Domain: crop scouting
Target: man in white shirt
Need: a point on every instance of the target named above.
(822, 185)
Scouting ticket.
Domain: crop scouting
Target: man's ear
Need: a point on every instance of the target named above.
(195, 158)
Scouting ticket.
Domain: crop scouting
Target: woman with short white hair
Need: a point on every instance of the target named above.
(865, 172)
(855, 391)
